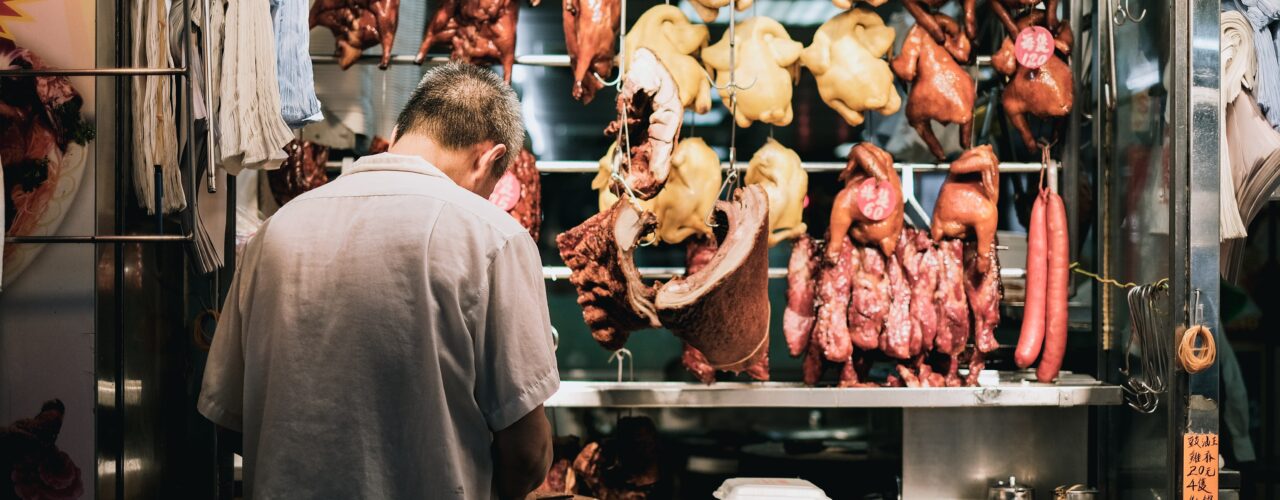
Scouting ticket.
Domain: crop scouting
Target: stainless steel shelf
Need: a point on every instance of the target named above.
(561, 272)
(591, 167)
(1010, 391)
(548, 60)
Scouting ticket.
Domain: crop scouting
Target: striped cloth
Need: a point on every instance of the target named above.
(1262, 15)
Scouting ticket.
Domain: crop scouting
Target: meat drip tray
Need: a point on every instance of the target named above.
(999, 389)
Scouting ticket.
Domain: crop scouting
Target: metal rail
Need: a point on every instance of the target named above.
(141, 238)
(591, 167)
(554, 273)
(545, 60)
(94, 72)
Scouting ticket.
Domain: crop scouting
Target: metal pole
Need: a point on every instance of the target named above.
(94, 72)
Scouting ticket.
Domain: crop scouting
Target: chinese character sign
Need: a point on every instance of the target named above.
(1034, 47)
(876, 199)
(1200, 466)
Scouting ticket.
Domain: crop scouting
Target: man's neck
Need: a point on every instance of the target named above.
(452, 163)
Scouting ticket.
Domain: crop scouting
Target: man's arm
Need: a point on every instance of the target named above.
(522, 455)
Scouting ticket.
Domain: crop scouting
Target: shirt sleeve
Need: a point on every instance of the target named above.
(515, 360)
(222, 389)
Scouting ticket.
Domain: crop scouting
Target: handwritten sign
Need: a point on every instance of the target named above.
(876, 199)
(507, 193)
(1034, 47)
(1200, 466)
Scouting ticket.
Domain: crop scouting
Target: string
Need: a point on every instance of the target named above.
(1075, 268)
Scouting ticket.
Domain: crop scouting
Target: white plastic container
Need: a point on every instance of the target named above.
(761, 488)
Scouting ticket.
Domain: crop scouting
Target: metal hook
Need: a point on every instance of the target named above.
(727, 86)
(1124, 14)
(622, 355)
(615, 82)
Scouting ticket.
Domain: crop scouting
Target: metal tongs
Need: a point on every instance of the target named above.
(1153, 345)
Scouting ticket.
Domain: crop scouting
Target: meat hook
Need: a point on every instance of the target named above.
(1123, 14)
(622, 355)
(622, 49)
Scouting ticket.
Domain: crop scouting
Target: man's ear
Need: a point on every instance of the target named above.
(491, 155)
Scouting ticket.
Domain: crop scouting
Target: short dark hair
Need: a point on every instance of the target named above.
(460, 105)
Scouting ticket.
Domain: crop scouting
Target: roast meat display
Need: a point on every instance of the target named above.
(1045, 92)
(966, 206)
(869, 208)
(846, 59)
(302, 171)
(684, 205)
(941, 90)
(519, 192)
(778, 170)
(591, 36)
(357, 25)
(799, 317)
(676, 42)
(648, 124)
(766, 62)
(476, 31)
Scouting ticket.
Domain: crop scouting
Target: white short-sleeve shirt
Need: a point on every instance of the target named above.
(379, 330)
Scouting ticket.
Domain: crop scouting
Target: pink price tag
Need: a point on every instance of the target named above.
(507, 193)
(1034, 47)
(876, 199)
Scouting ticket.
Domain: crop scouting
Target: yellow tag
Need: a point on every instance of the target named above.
(1200, 466)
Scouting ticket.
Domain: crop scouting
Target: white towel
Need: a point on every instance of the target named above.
(155, 136)
(1238, 70)
(253, 134)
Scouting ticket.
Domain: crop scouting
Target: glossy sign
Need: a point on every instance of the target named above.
(506, 193)
(876, 199)
(1034, 47)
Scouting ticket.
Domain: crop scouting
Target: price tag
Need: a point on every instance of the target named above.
(1034, 47)
(1200, 466)
(507, 193)
(876, 199)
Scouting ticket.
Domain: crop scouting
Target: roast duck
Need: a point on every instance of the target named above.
(928, 18)
(1006, 9)
(875, 289)
(766, 61)
(1045, 92)
(648, 124)
(941, 90)
(676, 42)
(777, 169)
(709, 10)
(302, 171)
(357, 25)
(591, 36)
(721, 310)
(476, 31)
(846, 60)
(519, 192)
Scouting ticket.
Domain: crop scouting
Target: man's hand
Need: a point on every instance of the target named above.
(522, 454)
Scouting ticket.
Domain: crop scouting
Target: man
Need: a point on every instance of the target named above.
(387, 334)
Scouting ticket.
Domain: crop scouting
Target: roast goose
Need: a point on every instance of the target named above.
(869, 208)
(648, 124)
(723, 309)
(476, 31)
(846, 59)
(666, 31)
(302, 171)
(519, 192)
(1046, 92)
(777, 169)
(357, 25)
(941, 90)
(591, 36)
(966, 206)
(600, 256)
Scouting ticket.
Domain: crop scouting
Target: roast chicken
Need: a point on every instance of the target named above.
(476, 31)
(966, 207)
(648, 124)
(927, 18)
(684, 205)
(869, 207)
(1045, 92)
(941, 90)
(708, 10)
(591, 36)
(846, 60)
(358, 25)
(666, 31)
(777, 169)
(767, 68)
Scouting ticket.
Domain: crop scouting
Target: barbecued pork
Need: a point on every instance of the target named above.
(800, 315)
(919, 258)
(870, 299)
(982, 289)
(895, 338)
(953, 315)
(831, 331)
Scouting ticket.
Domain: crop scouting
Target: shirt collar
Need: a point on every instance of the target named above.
(394, 162)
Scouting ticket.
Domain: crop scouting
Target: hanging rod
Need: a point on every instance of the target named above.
(139, 238)
(549, 60)
(95, 72)
(591, 167)
(554, 273)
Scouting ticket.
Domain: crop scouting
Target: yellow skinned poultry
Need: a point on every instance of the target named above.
(846, 59)
(777, 169)
(683, 205)
(708, 10)
(666, 31)
(767, 61)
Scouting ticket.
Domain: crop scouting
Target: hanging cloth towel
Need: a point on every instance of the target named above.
(1255, 164)
(253, 134)
(155, 136)
(1238, 70)
(1262, 15)
(299, 105)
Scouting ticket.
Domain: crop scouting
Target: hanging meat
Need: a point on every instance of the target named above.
(1004, 8)
(591, 36)
(666, 31)
(302, 171)
(766, 62)
(723, 309)
(600, 255)
(519, 192)
(982, 290)
(870, 298)
(709, 10)
(1045, 92)
(698, 253)
(966, 206)
(476, 31)
(927, 17)
(895, 339)
(869, 207)
(685, 203)
(941, 90)
(648, 124)
(953, 314)
(560, 477)
(777, 169)
(846, 59)
(919, 258)
(624, 466)
(800, 315)
(835, 281)
(357, 25)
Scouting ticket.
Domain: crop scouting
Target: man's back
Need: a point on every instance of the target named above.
(387, 323)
